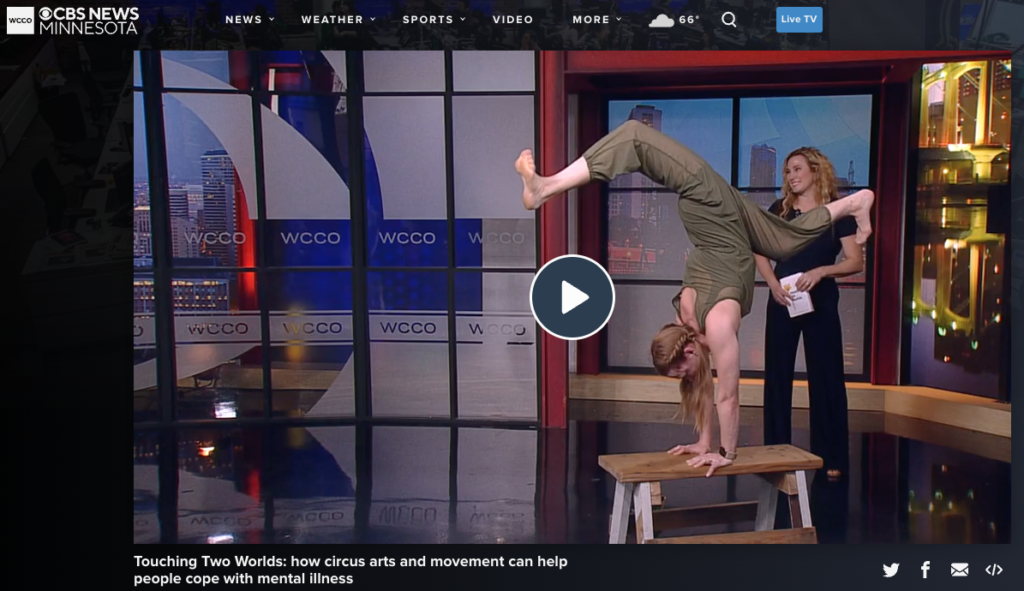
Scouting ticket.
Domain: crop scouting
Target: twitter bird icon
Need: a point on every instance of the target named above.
(890, 571)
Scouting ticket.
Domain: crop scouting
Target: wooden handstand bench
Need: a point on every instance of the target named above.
(778, 467)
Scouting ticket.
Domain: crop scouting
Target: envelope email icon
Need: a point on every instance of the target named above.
(959, 569)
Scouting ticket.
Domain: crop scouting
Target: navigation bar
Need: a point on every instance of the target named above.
(532, 25)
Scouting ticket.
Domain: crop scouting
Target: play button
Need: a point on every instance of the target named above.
(572, 297)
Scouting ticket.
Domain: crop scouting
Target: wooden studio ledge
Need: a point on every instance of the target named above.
(976, 413)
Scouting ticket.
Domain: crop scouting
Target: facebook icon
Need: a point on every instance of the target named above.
(924, 568)
(799, 20)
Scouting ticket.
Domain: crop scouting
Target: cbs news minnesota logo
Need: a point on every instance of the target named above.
(105, 20)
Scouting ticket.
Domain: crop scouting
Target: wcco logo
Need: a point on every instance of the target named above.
(408, 327)
(311, 237)
(497, 238)
(313, 328)
(215, 237)
(407, 237)
(21, 20)
(219, 328)
(517, 330)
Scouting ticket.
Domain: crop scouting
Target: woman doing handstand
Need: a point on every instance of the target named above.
(718, 288)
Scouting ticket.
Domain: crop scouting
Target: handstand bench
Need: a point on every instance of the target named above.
(779, 468)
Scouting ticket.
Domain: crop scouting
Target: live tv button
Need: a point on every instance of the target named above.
(809, 19)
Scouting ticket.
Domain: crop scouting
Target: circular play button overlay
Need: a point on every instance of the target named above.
(572, 297)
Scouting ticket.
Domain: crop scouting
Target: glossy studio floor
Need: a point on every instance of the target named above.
(911, 481)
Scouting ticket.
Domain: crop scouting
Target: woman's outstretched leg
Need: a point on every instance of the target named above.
(631, 147)
(778, 239)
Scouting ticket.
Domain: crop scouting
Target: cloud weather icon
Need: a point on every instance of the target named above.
(891, 570)
(662, 22)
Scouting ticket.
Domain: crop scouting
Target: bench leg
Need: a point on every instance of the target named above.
(804, 498)
(657, 499)
(644, 512)
(620, 513)
(767, 499)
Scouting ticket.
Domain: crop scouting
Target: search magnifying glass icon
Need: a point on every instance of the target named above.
(729, 19)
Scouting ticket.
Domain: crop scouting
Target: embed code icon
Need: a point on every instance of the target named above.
(21, 20)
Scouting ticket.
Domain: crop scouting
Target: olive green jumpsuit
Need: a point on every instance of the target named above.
(725, 227)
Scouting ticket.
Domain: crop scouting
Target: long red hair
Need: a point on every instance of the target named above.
(696, 393)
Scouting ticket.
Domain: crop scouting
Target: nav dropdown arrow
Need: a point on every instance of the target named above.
(373, 18)
(462, 17)
(618, 18)
(271, 18)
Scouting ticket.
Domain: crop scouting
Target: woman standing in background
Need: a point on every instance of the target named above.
(809, 182)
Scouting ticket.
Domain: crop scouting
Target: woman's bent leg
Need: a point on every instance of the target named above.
(779, 239)
(631, 147)
(635, 147)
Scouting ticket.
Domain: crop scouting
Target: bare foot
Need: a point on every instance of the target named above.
(532, 198)
(862, 213)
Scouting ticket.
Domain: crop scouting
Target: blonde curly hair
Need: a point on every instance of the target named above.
(824, 178)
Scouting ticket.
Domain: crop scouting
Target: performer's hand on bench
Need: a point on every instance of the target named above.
(709, 459)
(693, 448)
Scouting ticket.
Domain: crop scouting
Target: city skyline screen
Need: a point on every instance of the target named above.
(216, 152)
(648, 242)
(646, 237)
(211, 155)
(839, 126)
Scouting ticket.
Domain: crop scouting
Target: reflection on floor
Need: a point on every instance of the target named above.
(910, 482)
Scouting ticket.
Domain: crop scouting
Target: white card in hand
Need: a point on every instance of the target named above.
(801, 303)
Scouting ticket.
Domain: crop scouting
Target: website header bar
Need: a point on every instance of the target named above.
(595, 25)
